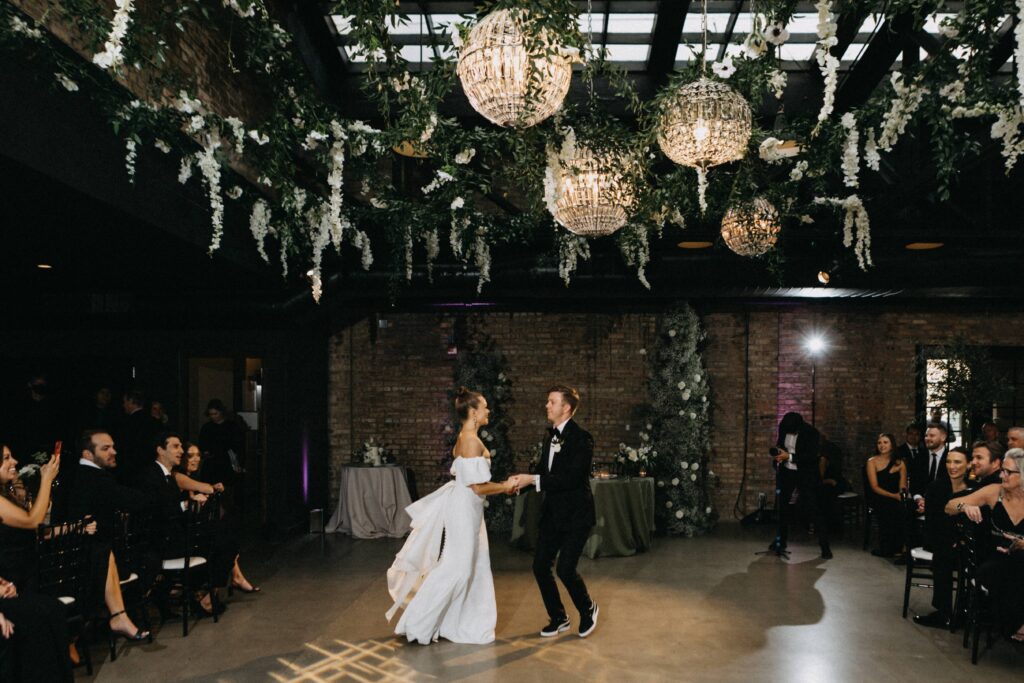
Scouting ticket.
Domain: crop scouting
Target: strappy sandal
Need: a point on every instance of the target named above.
(139, 634)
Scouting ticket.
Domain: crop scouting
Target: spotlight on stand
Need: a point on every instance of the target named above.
(815, 344)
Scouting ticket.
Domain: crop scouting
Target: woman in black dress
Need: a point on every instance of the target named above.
(1002, 574)
(887, 477)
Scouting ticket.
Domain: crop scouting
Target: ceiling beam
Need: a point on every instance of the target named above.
(1004, 47)
(875, 62)
(668, 32)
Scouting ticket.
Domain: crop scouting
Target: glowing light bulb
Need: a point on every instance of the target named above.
(700, 132)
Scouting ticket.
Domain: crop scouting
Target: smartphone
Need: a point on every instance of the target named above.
(57, 446)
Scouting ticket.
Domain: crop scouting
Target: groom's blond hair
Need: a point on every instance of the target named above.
(569, 395)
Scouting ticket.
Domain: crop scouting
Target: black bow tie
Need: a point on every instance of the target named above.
(552, 432)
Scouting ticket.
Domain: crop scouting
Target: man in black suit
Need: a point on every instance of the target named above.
(567, 515)
(986, 461)
(796, 459)
(96, 493)
(930, 465)
(912, 448)
(135, 438)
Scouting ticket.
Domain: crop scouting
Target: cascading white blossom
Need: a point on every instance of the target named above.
(362, 242)
(162, 146)
(465, 156)
(19, 25)
(702, 188)
(482, 258)
(428, 130)
(259, 138)
(432, 242)
(828, 64)
(112, 54)
(856, 226)
(637, 253)
(286, 243)
(336, 176)
(185, 169)
(777, 83)
(851, 156)
(774, 150)
(313, 140)
(209, 166)
(872, 159)
(571, 249)
(196, 124)
(1008, 129)
(320, 222)
(904, 104)
(234, 192)
(458, 230)
(408, 254)
(1018, 53)
(259, 226)
(439, 179)
(238, 132)
(797, 174)
(129, 158)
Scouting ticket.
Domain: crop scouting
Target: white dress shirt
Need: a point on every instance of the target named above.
(88, 463)
(551, 452)
(790, 443)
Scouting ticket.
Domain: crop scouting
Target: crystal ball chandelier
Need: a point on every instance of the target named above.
(592, 192)
(751, 228)
(498, 79)
(704, 124)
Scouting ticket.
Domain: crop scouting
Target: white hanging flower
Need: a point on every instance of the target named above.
(401, 84)
(361, 241)
(695, 466)
(828, 64)
(428, 130)
(777, 82)
(675, 481)
(236, 6)
(259, 138)
(684, 465)
(162, 146)
(725, 68)
(755, 46)
(186, 104)
(682, 413)
(671, 333)
(259, 226)
(19, 25)
(238, 131)
(693, 416)
(439, 179)
(1007, 129)
(776, 33)
(482, 253)
(851, 156)
(949, 28)
(129, 158)
(433, 245)
(234, 193)
(856, 227)
(686, 395)
(1018, 52)
(210, 168)
(797, 173)
(465, 156)
(378, 203)
(112, 54)
(458, 203)
(954, 91)
(707, 510)
(872, 159)
(678, 218)
(313, 139)
(693, 477)
(702, 189)
(68, 84)
(904, 104)
(642, 352)
(334, 180)
(661, 484)
(679, 514)
(668, 503)
(571, 249)
(806, 220)
(696, 377)
(196, 124)
(185, 169)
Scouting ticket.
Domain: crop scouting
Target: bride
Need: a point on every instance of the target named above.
(445, 564)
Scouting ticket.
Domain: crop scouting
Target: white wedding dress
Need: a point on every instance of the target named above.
(452, 589)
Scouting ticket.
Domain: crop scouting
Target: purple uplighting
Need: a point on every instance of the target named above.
(305, 466)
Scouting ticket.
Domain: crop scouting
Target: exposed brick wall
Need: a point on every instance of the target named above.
(865, 381)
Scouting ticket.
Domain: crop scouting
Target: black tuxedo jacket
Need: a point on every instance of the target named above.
(919, 480)
(568, 500)
(806, 453)
(96, 492)
(908, 454)
(164, 496)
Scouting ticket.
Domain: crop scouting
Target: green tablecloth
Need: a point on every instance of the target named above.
(625, 518)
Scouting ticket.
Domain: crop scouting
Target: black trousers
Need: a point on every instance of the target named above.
(1002, 576)
(567, 546)
(943, 564)
(40, 641)
(787, 482)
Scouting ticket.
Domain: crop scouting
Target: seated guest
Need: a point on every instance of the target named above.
(97, 494)
(169, 503)
(941, 537)
(912, 447)
(887, 477)
(986, 461)
(1015, 437)
(19, 520)
(990, 432)
(189, 478)
(1002, 573)
(36, 627)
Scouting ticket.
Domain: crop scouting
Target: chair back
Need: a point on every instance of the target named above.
(62, 560)
(129, 541)
(200, 520)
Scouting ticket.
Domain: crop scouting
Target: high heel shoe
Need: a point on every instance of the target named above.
(235, 586)
(134, 637)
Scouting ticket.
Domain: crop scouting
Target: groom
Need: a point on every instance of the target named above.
(567, 515)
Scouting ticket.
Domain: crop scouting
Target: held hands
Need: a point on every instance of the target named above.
(782, 457)
(198, 497)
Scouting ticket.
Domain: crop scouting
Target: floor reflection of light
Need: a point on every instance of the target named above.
(369, 661)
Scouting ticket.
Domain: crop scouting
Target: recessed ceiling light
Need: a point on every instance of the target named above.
(44, 266)
(823, 277)
(924, 246)
(695, 245)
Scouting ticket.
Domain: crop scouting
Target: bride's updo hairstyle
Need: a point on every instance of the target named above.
(464, 400)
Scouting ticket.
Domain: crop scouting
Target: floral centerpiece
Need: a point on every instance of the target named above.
(373, 454)
(637, 461)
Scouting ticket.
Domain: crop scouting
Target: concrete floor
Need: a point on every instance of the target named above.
(703, 609)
